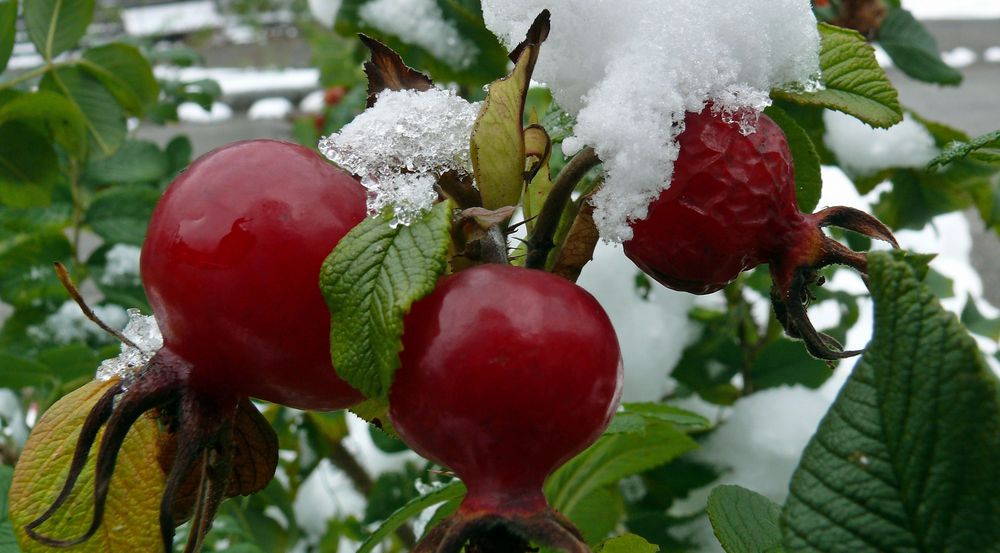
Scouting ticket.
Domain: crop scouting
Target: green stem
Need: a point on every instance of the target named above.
(77, 193)
(540, 243)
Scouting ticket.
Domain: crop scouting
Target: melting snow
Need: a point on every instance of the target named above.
(144, 333)
(399, 147)
(630, 70)
(865, 150)
(190, 112)
(992, 54)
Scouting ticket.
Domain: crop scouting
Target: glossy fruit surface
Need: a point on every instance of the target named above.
(231, 263)
(730, 206)
(505, 374)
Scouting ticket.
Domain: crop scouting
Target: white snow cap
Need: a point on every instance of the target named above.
(402, 144)
(630, 70)
(145, 333)
(864, 150)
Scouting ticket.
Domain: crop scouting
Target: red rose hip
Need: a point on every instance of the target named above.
(730, 207)
(505, 374)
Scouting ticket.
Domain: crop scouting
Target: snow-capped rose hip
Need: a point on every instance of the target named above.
(505, 374)
(230, 266)
(730, 207)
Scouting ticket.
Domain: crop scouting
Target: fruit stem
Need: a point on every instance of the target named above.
(540, 242)
(74, 292)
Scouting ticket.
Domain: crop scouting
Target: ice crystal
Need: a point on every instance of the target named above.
(402, 144)
(143, 331)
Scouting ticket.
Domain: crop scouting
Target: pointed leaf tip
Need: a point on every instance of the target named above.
(386, 70)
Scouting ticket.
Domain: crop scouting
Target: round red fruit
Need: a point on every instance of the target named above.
(505, 374)
(231, 263)
(728, 208)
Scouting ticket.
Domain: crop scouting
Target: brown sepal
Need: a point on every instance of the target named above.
(864, 16)
(792, 278)
(578, 248)
(386, 70)
(536, 35)
(509, 533)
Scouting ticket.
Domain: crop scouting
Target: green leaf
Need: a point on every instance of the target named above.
(376, 412)
(744, 521)
(29, 167)
(19, 372)
(597, 514)
(8, 27)
(131, 519)
(786, 363)
(628, 543)
(497, 143)
(853, 81)
(120, 214)
(907, 457)
(26, 273)
(55, 26)
(62, 117)
(913, 49)
(978, 323)
(71, 362)
(137, 161)
(389, 493)
(668, 413)
(369, 281)
(103, 117)
(124, 71)
(613, 457)
(414, 507)
(808, 182)
(960, 149)
(8, 544)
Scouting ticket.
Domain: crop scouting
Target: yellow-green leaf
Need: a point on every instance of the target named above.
(131, 519)
(538, 150)
(497, 147)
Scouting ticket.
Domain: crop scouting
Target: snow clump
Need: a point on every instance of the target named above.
(402, 144)
(864, 150)
(421, 23)
(629, 71)
(144, 333)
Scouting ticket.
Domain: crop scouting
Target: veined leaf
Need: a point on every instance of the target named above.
(744, 521)
(628, 543)
(8, 26)
(613, 457)
(907, 458)
(854, 83)
(808, 182)
(913, 49)
(131, 520)
(958, 149)
(413, 508)
(124, 71)
(29, 167)
(103, 117)
(369, 281)
(56, 111)
(55, 26)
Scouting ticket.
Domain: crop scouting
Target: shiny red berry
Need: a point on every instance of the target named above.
(730, 207)
(505, 374)
(231, 266)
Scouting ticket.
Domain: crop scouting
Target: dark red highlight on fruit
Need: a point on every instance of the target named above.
(730, 207)
(230, 266)
(505, 374)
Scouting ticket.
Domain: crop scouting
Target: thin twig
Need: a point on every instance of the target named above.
(540, 242)
(74, 292)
